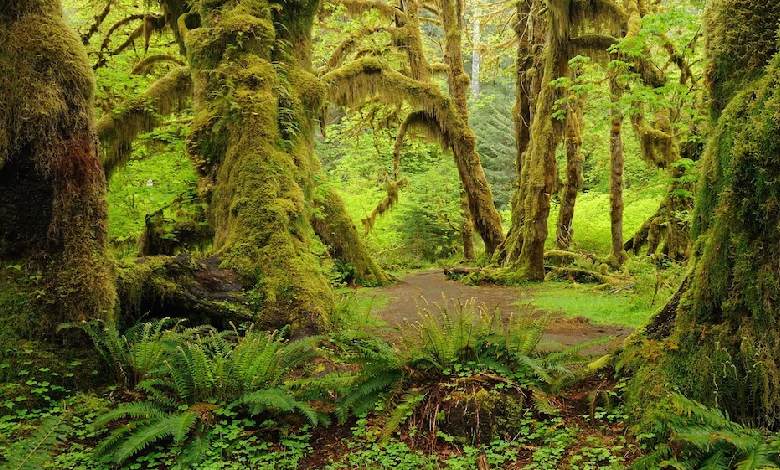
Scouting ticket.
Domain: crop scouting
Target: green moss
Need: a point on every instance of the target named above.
(726, 326)
(50, 160)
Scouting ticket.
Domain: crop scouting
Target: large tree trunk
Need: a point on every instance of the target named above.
(252, 140)
(53, 210)
(723, 348)
(529, 30)
(538, 167)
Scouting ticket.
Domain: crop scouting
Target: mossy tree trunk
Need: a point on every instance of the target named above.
(336, 230)
(617, 255)
(538, 131)
(252, 140)
(480, 198)
(53, 209)
(723, 348)
(574, 180)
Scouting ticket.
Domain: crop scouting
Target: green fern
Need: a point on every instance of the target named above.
(32, 453)
(707, 439)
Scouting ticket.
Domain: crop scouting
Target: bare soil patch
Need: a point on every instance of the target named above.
(434, 285)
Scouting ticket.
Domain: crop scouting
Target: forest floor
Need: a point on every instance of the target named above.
(433, 286)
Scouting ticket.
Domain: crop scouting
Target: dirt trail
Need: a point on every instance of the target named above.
(405, 296)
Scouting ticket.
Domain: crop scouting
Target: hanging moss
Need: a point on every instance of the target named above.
(725, 326)
(118, 129)
(52, 187)
(385, 205)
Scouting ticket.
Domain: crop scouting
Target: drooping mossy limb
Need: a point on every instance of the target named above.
(117, 130)
(369, 77)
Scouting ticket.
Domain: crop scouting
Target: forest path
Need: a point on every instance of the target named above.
(432, 285)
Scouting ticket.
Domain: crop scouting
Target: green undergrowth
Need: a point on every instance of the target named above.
(160, 177)
(592, 226)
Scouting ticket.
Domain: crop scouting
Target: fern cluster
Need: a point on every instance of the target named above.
(705, 438)
(188, 376)
(458, 332)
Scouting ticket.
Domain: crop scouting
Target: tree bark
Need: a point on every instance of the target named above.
(52, 188)
(256, 102)
(617, 255)
(574, 163)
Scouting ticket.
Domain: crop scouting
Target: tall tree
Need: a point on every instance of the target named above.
(52, 189)
(441, 115)
(565, 24)
(723, 322)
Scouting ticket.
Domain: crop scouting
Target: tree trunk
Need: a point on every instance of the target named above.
(483, 211)
(467, 228)
(724, 346)
(252, 140)
(334, 227)
(617, 255)
(529, 30)
(539, 171)
(52, 188)
(574, 162)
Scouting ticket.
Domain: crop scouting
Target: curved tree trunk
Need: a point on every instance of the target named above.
(53, 211)
(336, 230)
(252, 140)
(574, 180)
(723, 348)
(480, 197)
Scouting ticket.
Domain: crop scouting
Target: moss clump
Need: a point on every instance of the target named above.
(49, 164)
(725, 327)
(252, 141)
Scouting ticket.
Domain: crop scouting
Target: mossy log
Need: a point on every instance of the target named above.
(52, 188)
(336, 230)
(723, 348)
(197, 289)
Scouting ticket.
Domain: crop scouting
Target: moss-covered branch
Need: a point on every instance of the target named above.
(336, 230)
(145, 65)
(118, 130)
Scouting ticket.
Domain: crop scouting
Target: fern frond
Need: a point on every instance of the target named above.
(33, 452)
(176, 426)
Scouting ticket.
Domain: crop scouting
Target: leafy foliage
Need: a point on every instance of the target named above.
(187, 376)
(705, 438)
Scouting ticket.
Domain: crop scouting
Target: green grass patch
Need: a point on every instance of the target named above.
(601, 308)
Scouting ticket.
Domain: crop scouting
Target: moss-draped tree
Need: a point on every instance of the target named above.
(443, 116)
(549, 34)
(53, 209)
(256, 103)
(723, 323)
